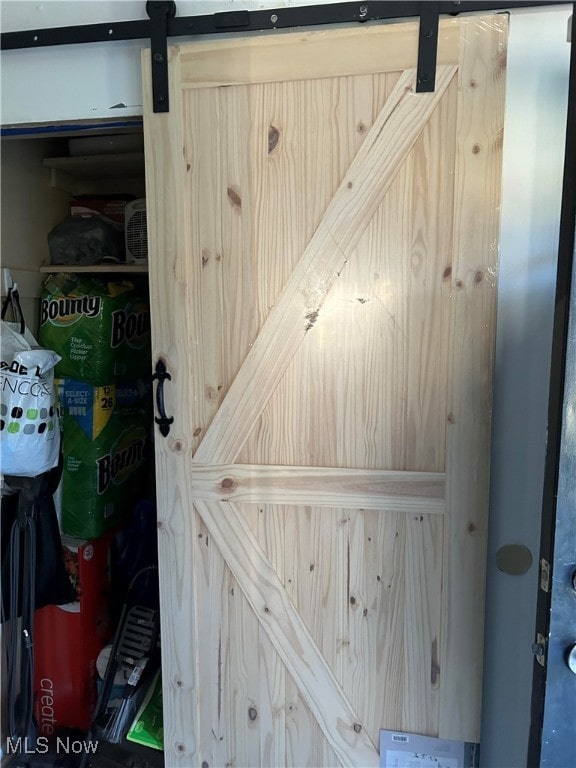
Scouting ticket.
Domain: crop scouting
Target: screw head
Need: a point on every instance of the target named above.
(274, 18)
(363, 10)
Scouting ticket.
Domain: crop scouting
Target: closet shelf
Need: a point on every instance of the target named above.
(96, 268)
(125, 165)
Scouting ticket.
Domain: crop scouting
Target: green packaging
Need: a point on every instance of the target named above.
(147, 727)
(105, 446)
(101, 329)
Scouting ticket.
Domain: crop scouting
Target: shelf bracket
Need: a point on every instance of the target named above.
(427, 47)
(159, 13)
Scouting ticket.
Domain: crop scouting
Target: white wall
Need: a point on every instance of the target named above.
(105, 83)
(534, 134)
(30, 208)
(49, 84)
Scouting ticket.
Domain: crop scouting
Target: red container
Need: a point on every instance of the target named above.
(68, 639)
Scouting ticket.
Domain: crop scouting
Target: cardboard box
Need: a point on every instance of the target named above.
(411, 750)
(68, 639)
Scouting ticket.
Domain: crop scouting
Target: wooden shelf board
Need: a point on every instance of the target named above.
(127, 164)
(100, 268)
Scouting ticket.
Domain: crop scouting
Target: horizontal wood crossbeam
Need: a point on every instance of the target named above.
(410, 492)
(344, 53)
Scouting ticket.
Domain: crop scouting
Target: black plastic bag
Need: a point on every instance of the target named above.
(85, 241)
(52, 585)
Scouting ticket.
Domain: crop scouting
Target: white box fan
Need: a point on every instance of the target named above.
(136, 231)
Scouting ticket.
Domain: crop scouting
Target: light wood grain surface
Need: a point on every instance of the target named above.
(299, 308)
(411, 492)
(342, 52)
(481, 79)
(323, 247)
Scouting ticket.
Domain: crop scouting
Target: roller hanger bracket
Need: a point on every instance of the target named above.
(159, 13)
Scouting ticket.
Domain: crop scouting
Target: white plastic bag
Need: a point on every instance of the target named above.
(29, 428)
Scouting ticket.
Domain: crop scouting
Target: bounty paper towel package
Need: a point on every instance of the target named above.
(101, 329)
(105, 445)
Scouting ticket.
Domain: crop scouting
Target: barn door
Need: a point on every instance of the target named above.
(323, 255)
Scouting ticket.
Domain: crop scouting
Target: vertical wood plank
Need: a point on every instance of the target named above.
(423, 597)
(244, 681)
(211, 579)
(385, 590)
(476, 215)
(316, 542)
(270, 531)
(164, 143)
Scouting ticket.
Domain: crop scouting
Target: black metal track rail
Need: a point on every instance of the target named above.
(248, 21)
(564, 290)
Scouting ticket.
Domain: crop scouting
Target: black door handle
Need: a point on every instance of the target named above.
(161, 375)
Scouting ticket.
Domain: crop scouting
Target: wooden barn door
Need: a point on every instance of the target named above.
(324, 246)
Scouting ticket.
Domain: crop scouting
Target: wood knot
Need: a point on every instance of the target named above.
(479, 276)
(197, 431)
(357, 728)
(252, 714)
(212, 394)
(228, 484)
(273, 137)
(447, 272)
(234, 197)
(434, 665)
(476, 149)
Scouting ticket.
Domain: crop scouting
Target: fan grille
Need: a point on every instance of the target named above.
(137, 236)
